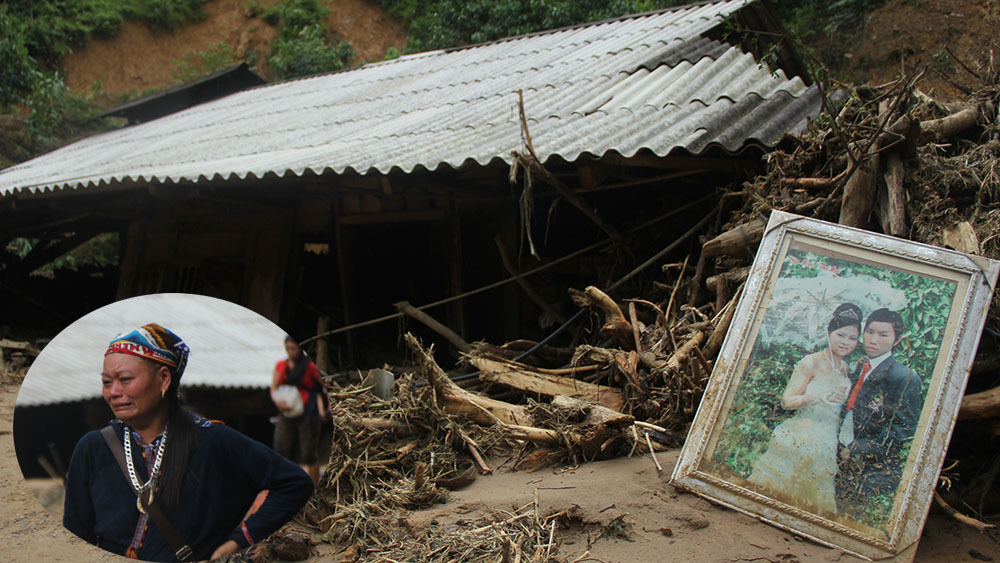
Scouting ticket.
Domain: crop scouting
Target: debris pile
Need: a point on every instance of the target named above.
(886, 158)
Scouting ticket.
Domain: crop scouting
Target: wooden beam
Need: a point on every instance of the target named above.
(453, 250)
(411, 311)
(396, 217)
(679, 162)
(343, 277)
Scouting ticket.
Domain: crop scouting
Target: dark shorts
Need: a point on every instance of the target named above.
(302, 432)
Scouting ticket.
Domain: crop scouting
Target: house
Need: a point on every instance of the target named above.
(205, 89)
(322, 201)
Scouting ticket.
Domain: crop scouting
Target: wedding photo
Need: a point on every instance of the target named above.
(842, 364)
(804, 427)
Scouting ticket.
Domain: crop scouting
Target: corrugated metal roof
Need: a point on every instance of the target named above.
(231, 346)
(651, 82)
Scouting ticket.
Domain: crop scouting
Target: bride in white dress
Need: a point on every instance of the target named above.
(801, 459)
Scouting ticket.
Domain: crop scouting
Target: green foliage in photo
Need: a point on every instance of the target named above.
(757, 409)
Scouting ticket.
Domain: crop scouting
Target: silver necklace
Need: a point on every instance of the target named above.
(148, 485)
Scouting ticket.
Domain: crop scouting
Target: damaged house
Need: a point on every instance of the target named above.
(322, 202)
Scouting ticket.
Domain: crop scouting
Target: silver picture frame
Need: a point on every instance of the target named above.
(743, 439)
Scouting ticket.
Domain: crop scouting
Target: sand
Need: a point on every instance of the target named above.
(652, 520)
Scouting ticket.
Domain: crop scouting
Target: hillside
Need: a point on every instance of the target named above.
(139, 60)
(949, 39)
(903, 34)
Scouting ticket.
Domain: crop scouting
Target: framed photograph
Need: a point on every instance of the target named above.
(832, 401)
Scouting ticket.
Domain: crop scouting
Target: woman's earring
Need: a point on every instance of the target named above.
(163, 393)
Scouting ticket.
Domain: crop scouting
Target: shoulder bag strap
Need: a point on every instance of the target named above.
(181, 549)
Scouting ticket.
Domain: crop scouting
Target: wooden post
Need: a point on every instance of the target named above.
(529, 290)
(859, 191)
(322, 347)
(130, 260)
(895, 216)
(345, 300)
(456, 309)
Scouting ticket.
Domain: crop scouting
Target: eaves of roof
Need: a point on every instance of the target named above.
(653, 82)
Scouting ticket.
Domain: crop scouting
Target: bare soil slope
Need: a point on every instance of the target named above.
(138, 60)
(940, 36)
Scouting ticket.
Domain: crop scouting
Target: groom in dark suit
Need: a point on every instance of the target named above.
(880, 417)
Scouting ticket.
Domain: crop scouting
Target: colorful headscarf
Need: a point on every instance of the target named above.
(155, 343)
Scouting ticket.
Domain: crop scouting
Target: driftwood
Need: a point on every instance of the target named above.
(513, 418)
(730, 278)
(615, 324)
(859, 191)
(962, 237)
(894, 213)
(411, 311)
(808, 183)
(980, 405)
(741, 241)
(902, 136)
(483, 410)
(681, 356)
(937, 130)
(714, 343)
(967, 520)
(397, 427)
(596, 414)
(524, 378)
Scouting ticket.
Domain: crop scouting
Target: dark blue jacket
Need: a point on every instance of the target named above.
(885, 419)
(225, 473)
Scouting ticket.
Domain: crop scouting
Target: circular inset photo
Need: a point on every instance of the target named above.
(171, 427)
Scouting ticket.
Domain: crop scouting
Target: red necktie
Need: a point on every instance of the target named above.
(857, 386)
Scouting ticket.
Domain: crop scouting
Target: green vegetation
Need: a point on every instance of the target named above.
(198, 64)
(35, 35)
(54, 27)
(100, 251)
(439, 24)
(302, 47)
(811, 19)
(19, 70)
